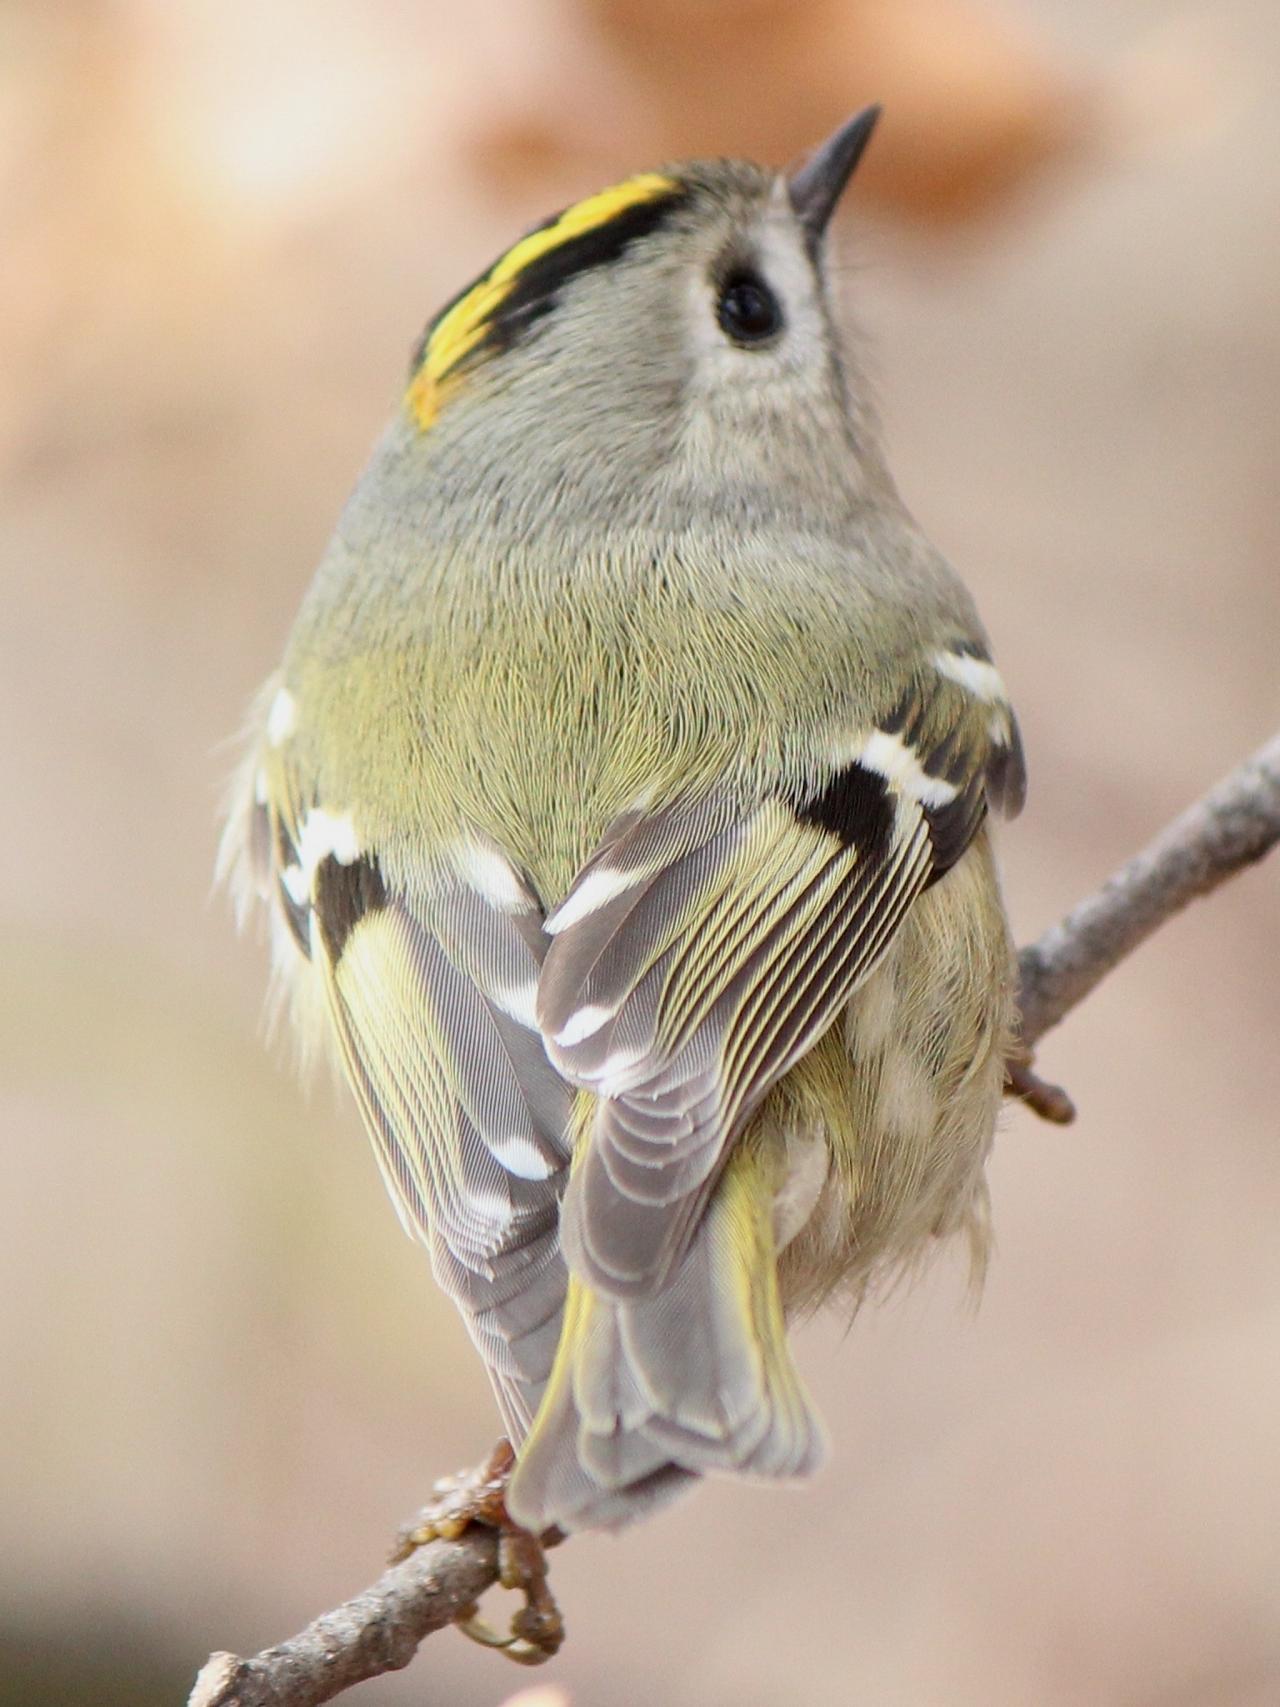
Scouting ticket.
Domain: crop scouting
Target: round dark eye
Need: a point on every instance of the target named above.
(747, 309)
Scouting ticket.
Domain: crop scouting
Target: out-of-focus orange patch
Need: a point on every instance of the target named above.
(974, 110)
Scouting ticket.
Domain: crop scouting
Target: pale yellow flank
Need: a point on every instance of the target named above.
(462, 328)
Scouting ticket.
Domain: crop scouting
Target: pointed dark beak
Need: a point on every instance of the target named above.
(817, 186)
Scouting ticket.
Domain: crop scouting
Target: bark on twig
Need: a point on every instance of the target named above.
(375, 1632)
(1233, 826)
(380, 1629)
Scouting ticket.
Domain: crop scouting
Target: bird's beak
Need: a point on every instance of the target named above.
(817, 185)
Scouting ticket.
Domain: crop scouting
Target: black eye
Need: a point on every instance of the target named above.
(747, 309)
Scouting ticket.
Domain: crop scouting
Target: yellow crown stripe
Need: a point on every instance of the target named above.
(462, 328)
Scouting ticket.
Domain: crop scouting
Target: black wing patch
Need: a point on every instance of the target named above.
(343, 894)
(854, 806)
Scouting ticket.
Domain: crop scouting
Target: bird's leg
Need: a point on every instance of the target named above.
(479, 1496)
(1021, 1080)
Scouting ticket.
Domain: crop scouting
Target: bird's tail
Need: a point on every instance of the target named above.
(648, 1393)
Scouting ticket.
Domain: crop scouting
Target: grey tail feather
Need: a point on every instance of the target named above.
(649, 1393)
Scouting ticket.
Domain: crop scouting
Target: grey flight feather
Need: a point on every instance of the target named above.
(702, 981)
(467, 1115)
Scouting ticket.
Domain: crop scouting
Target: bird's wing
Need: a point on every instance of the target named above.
(430, 985)
(705, 947)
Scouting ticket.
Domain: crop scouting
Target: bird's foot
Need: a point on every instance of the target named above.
(479, 1496)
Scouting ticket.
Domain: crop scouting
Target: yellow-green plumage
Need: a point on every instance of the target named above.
(621, 800)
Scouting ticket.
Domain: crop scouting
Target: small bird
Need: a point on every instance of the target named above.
(621, 807)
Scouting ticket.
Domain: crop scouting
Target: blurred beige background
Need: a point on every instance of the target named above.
(224, 1374)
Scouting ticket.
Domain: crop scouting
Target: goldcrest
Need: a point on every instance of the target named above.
(621, 808)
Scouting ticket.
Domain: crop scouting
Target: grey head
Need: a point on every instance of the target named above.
(658, 349)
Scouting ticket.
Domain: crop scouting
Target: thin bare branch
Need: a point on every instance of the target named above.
(375, 1632)
(380, 1630)
(1232, 827)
